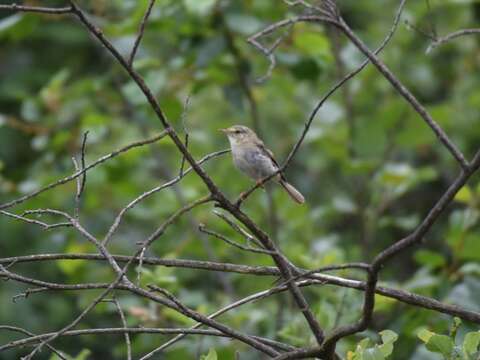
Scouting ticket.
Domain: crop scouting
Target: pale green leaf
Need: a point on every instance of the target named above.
(464, 195)
(212, 355)
(471, 342)
(388, 338)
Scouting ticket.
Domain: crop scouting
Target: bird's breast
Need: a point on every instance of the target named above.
(252, 161)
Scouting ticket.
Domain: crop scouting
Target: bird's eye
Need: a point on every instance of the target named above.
(237, 131)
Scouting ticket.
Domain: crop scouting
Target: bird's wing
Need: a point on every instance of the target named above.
(268, 153)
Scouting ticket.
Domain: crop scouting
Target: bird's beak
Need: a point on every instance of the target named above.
(225, 131)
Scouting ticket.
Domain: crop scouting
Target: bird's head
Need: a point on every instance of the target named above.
(238, 134)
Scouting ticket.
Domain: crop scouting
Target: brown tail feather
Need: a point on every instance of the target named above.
(294, 193)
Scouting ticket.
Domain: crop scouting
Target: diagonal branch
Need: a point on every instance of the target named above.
(141, 30)
(23, 331)
(409, 97)
(267, 242)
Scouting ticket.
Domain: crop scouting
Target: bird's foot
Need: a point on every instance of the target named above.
(260, 183)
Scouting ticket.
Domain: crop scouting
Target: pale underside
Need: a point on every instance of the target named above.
(253, 161)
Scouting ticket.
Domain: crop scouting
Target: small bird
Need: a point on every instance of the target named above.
(252, 157)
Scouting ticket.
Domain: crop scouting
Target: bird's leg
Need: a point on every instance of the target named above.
(260, 183)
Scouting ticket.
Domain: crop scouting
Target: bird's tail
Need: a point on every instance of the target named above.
(294, 193)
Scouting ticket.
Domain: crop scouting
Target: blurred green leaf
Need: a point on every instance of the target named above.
(436, 343)
(364, 351)
(212, 355)
(464, 195)
(471, 342)
(430, 258)
(199, 8)
(389, 337)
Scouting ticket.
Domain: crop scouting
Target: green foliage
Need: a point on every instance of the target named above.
(82, 355)
(450, 347)
(370, 171)
(365, 350)
(212, 355)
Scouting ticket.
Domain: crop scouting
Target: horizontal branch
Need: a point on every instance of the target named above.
(442, 40)
(35, 222)
(181, 263)
(141, 330)
(36, 9)
(217, 194)
(400, 295)
(26, 332)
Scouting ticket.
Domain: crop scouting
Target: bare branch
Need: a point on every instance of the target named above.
(35, 222)
(444, 39)
(79, 185)
(328, 13)
(184, 125)
(37, 9)
(203, 229)
(204, 319)
(122, 330)
(141, 30)
(245, 300)
(140, 198)
(400, 295)
(340, 83)
(269, 52)
(124, 323)
(79, 317)
(23, 331)
(409, 97)
(237, 228)
(76, 224)
(215, 191)
(82, 162)
(322, 101)
(80, 173)
(181, 263)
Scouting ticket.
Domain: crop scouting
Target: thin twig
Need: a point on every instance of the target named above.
(141, 30)
(322, 101)
(267, 242)
(124, 324)
(37, 9)
(397, 294)
(146, 194)
(202, 228)
(248, 299)
(76, 210)
(82, 162)
(87, 168)
(35, 222)
(444, 39)
(122, 330)
(407, 95)
(26, 332)
(185, 129)
(237, 228)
